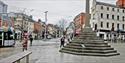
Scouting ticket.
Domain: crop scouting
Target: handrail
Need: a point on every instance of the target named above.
(17, 57)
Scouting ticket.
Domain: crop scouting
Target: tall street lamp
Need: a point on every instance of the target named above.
(45, 34)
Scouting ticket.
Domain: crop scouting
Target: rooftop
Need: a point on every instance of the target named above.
(107, 4)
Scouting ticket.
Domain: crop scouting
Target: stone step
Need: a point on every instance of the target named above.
(97, 40)
(88, 34)
(84, 38)
(91, 45)
(90, 54)
(76, 43)
(90, 51)
(88, 45)
(74, 47)
(90, 37)
(99, 48)
(83, 42)
(90, 48)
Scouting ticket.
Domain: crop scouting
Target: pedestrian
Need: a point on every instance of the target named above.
(25, 43)
(62, 40)
(31, 39)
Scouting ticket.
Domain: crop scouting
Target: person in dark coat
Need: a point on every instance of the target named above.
(31, 40)
(62, 40)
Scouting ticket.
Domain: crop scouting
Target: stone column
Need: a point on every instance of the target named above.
(87, 22)
(87, 27)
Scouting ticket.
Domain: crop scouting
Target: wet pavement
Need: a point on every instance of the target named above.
(7, 51)
(48, 52)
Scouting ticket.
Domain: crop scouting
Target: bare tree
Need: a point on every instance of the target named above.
(63, 25)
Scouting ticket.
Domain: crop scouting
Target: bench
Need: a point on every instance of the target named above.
(17, 57)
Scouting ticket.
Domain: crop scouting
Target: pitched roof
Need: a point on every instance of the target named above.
(106, 4)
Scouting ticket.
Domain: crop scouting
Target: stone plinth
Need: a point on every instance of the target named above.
(88, 44)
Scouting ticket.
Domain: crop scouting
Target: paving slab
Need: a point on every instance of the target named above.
(50, 54)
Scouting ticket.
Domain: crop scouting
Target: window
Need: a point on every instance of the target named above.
(117, 26)
(107, 35)
(112, 24)
(95, 26)
(117, 17)
(107, 16)
(107, 25)
(112, 29)
(117, 10)
(102, 24)
(123, 10)
(123, 18)
(113, 9)
(108, 8)
(101, 15)
(123, 26)
(113, 17)
(102, 7)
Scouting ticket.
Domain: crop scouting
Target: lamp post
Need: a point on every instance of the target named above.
(45, 34)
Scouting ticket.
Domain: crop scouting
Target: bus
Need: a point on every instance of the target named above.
(7, 39)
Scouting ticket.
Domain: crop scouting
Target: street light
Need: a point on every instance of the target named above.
(45, 34)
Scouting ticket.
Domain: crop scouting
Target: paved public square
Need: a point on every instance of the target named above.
(48, 52)
(51, 54)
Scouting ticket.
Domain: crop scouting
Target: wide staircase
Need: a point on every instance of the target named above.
(88, 44)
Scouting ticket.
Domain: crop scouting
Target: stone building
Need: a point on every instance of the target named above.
(108, 20)
(22, 22)
(38, 29)
(3, 7)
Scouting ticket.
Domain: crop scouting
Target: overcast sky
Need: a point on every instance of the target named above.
(57, 9)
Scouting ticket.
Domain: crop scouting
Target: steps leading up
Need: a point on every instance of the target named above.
(88, 44)
(91, 51)
(90, 54)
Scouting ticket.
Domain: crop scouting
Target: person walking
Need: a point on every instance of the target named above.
(25, 43)
(62, 40)
(25, 40)
(31, 39)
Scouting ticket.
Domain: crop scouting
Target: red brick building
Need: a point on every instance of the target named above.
(120, 3)
(79, 22)
(37, 27)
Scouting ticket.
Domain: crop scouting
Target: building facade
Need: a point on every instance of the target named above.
(79, 22)
(3, 7)
(22, 22)
(31, 26)
(37, 30)
(120, 3)
(108, 20)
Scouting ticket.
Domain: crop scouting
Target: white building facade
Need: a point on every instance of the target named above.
(108, 20)
(3, 7)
